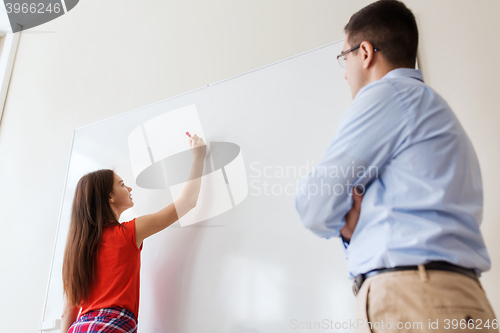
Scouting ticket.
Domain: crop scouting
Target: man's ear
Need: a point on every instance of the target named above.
(366, 50)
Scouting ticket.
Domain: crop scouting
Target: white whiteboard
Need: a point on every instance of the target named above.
(253, 267)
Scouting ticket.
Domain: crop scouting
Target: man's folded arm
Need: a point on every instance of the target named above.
(372, 130)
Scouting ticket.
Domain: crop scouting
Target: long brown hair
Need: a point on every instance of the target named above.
(90, 213)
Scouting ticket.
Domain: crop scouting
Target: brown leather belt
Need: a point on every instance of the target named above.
(433, 265)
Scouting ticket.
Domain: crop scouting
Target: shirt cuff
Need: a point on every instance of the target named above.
(344, 241)
(344, 247)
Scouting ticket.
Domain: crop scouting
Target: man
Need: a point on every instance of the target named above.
(411, 230)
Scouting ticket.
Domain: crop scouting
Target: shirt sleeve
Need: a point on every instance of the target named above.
(130, 234)
(373, 129)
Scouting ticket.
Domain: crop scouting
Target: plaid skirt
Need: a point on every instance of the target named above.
(107, 320)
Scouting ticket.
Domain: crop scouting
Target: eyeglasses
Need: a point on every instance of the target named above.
(341, 56)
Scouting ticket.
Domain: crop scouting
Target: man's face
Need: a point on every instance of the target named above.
(354, 74)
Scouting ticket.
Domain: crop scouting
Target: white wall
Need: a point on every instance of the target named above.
(107, 57)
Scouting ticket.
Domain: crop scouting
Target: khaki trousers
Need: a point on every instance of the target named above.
(423, 301)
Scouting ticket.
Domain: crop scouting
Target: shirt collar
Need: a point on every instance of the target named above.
(404, 72)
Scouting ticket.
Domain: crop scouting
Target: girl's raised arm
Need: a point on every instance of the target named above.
(150, 224)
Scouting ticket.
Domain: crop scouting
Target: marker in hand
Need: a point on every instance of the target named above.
(187, 133)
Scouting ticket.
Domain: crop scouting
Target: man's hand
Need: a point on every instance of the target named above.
(352, 216)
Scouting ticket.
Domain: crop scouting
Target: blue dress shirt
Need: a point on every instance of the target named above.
(423, 200)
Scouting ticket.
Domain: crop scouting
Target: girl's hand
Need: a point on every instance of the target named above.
(198, 146)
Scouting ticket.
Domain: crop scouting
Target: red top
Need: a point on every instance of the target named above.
(118, 270)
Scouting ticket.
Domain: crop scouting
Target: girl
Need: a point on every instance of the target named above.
(102, 257)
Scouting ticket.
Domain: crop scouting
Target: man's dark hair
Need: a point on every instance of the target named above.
(389, 26)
